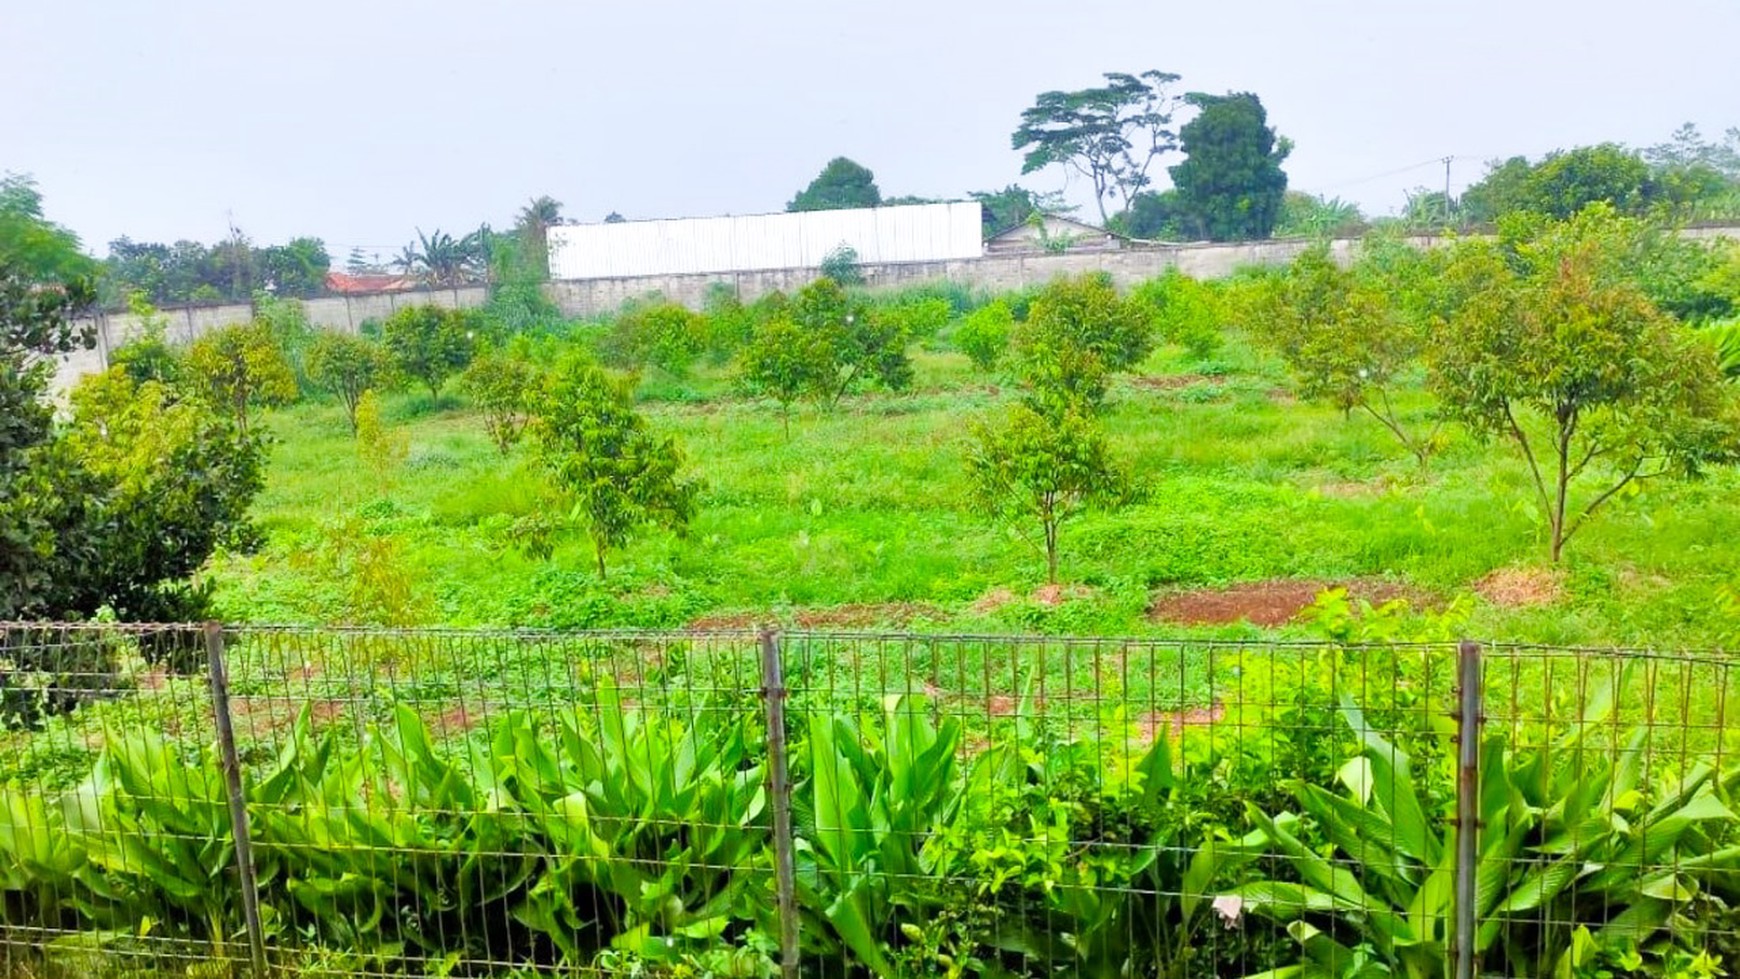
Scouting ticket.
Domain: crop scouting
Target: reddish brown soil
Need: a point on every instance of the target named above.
(1521, 587)
(993, 600)
(1058, 594)
(851, 616)
(1263, 603)
(1168, 382)
(1174, 722)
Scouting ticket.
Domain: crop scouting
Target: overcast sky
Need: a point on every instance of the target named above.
(357, 121)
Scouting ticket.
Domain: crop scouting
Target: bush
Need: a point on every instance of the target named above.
(242, 367)
(1183, 311)
(841, 265)
(346, 366)
(984, 334)
(500, 384)
(660, 334)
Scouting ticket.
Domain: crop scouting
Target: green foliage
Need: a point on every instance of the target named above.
(659, 334)
(601, 452)
(984, 334)
(430, 344)
(31, 246)
(1013, 205)
(1551, 348)
(1563, 183)
(1306, 215)
(785, 362)
(501, 384)
(1044, 468)
(1230, 185)
(841, 184)
(1078, 332)
(379, 448)
(1575, 851)
(1151, 215)
(241, 367)
(1349, 336)
(916, 317)
(146, 354)
(1184, 311)
(1110, 134)
(345, 366)
(841, 265)
(439, 259)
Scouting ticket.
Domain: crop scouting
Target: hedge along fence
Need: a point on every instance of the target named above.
(470, 803)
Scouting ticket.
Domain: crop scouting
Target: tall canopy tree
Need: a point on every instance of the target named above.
(841, 184)
(31, 246)
(1230, 185)
(1111, 134)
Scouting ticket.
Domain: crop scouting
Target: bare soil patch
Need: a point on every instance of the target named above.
(1055, 595)
(1168, 382)
(870, 614)
(1174, 722)
(993, 600)
(1265, 603)
(1521, 587)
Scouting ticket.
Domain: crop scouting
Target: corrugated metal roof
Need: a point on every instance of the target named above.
(909, 233)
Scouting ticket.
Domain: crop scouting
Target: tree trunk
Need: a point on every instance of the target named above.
(598, 552)
(1051, 552)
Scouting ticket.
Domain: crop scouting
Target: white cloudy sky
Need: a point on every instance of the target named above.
(357, 121)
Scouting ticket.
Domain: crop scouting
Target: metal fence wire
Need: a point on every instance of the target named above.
(223, 800)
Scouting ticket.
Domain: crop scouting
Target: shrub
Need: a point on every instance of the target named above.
(984, 334)
(1183, 311)
(661, 334)
(841, 265)
(1078, 332)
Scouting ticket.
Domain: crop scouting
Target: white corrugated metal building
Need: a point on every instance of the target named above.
(754, 242)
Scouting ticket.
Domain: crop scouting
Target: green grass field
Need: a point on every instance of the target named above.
(861, 519)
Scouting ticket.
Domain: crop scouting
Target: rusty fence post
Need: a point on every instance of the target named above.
(246, 880)
(1469, 720)
(773, 694)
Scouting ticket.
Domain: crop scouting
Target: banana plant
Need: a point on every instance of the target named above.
(655, 828)
(1562, 845)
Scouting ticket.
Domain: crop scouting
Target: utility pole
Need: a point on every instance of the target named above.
(1449, 209)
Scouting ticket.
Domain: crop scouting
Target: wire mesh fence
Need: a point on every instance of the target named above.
(181, 800)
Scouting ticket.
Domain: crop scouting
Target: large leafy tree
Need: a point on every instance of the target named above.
(841, 184)
(1014, 204)
(1111, 134)
(1550, 346)
(31, 246)
(601, 451)
(296, 268)
(1230, 185)
(1561, 184)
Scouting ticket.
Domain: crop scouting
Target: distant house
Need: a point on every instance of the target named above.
(1052, 232)
(346, 284)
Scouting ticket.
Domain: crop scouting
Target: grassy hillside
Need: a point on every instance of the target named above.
(861, 519)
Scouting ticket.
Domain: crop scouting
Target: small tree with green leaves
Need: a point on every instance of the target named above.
(238, 367)
(1549, 345)
(984, 334)
(379, 447)
(1183, 311)
(501, 384)
(851, 341)
(430, 344)
(345, 366)
(841, 265)
(1041, 467)
(784, 362)
(602, 452)
(1078, 332)
(1349, 337)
